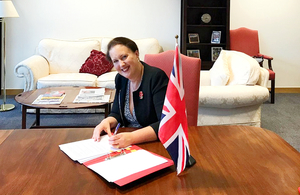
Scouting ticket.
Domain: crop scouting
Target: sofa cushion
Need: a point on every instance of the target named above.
(107, 80)
(96, 64)
(219, 73)
(67, 79)
(104, 44)
(244, 70)
(232, 96)
(148, 46)
(66, 56)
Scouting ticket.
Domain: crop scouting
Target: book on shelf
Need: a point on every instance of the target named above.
(51, 97)
(92, 96)
(120, 166)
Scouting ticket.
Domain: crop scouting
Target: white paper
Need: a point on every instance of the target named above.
(91, 96)
(92, 92)
(125, 165)
(88, 149)
(91, 99)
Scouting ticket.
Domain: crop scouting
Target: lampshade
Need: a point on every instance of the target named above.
(7, 9)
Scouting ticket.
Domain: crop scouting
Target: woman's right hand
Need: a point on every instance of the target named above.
(105, 125)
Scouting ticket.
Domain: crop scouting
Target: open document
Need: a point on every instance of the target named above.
(88, 149)
(120, 166)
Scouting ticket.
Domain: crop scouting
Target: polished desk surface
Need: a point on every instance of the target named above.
(230, 160)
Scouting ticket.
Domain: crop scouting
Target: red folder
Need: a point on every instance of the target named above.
(134, 176)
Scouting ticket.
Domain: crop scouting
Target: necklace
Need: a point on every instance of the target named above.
(131, 84)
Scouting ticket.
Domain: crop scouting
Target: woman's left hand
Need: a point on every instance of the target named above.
(121, 140)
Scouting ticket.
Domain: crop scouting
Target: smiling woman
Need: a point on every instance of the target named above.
(140, 94)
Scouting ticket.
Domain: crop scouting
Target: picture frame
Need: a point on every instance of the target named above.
(216, 37)
(215, 52)
(193, 53)
(193, 38)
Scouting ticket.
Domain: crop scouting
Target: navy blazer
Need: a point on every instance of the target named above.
(148, 99)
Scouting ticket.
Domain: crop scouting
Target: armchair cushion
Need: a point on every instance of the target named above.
(219, 73)
(244, 70)
(96, 64)
(234, 68)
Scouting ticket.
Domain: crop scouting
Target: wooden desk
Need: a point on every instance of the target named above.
(230, 160)
(26, 99)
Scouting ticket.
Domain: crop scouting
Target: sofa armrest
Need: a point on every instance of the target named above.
(263, 77)
(31, 69)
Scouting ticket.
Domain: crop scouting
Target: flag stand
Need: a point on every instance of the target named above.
(191, 161)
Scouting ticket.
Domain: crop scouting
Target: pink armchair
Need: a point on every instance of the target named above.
(191, 78)
(246, 40)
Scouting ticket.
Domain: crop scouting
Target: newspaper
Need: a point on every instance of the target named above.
(92, 96)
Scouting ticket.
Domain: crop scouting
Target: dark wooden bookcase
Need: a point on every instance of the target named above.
(1, 78)
(191, 13)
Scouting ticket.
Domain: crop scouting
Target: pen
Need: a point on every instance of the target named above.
(117, 128)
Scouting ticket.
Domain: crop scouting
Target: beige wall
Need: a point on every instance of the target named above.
(277, 22)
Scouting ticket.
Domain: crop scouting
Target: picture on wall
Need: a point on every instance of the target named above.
(216, 37)
(193, 53)
(215, 52)
(193, 38)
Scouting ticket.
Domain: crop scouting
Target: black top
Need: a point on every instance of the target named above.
(148, 99)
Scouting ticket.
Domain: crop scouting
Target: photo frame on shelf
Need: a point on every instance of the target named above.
(193, 38)
(193, 53)
(215, 52)
(216, 37)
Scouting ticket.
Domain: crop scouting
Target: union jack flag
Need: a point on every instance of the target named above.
(173, 129)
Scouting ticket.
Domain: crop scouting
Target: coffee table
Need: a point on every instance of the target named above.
(233, 160)
(26, 99)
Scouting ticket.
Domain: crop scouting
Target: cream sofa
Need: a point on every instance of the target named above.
(232, 92)
(57, 63)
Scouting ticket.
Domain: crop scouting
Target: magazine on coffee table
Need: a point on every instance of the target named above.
(52, 97)
(92, 96)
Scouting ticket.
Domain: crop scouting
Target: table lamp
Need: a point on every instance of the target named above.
(7, 9)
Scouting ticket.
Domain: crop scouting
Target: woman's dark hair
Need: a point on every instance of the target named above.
(121, 41)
